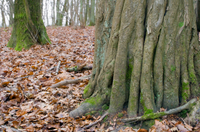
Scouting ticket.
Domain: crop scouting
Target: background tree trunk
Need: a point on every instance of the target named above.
(53, 13)
(86, 11)
(92, 12)
(11, 11)
(65, 11)
(28, 25)
(3, 15)
(47, 14)
(71, 21)
(76, 15)
(81, 14)
(146, 54)
(59, 15)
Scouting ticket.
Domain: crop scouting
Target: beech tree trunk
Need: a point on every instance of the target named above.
(81, 15)
(59, 16)
(65, 11)
(28, 25)
(146, 55)
(92, 13)
(53, 16)
(71, 21)
(3, 15)
(11, 11)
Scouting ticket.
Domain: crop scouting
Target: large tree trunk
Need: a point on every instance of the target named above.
(146, 54)
(28, 25)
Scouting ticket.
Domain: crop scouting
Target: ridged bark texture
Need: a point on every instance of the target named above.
(146, 54)
(28, 27)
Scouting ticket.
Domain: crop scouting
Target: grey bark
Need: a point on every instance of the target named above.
(92, 13)
(11, 11)
(53, 13)
(59, 15)
(146, 54)
(3, 15)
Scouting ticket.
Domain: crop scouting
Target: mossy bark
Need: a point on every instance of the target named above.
(146, 55)
(28, 26)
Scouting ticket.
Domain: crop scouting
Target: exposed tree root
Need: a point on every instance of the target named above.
(104, 115)
(91, 104)
(160, 114)
(79, 68)
(65, 82)
(194, 115)
(81, 110)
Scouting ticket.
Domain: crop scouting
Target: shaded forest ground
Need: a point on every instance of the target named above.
(27, 101)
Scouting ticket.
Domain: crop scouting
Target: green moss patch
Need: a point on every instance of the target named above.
(93, 100)
(181, 24)
(184, 89)
(120, 115)
(105, 107)
(86, 88)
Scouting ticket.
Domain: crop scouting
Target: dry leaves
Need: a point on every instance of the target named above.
(172, 124)
(27, 101)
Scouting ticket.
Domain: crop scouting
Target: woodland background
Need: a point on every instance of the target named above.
(55, 12)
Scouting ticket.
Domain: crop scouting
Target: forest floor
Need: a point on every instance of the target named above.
(27, 101)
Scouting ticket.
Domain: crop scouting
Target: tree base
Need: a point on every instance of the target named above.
(91, 104)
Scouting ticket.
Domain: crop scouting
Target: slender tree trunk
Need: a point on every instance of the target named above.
(28, 25)
(146, 55)
(11, 11)
(3, 15)
(81, 16)
(59, 15)
(92, 12)
(71, 22)
(86, 11)
(63, 12)
(53, 13)
(47, 13)
(76, 17)
(66, 10)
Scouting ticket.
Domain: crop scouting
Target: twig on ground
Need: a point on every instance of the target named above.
(69, 82)
(7, 127)
(23, 77)
(58, 67)
(160, 114)
(104, 115)
(50, 69)
(79, 68)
